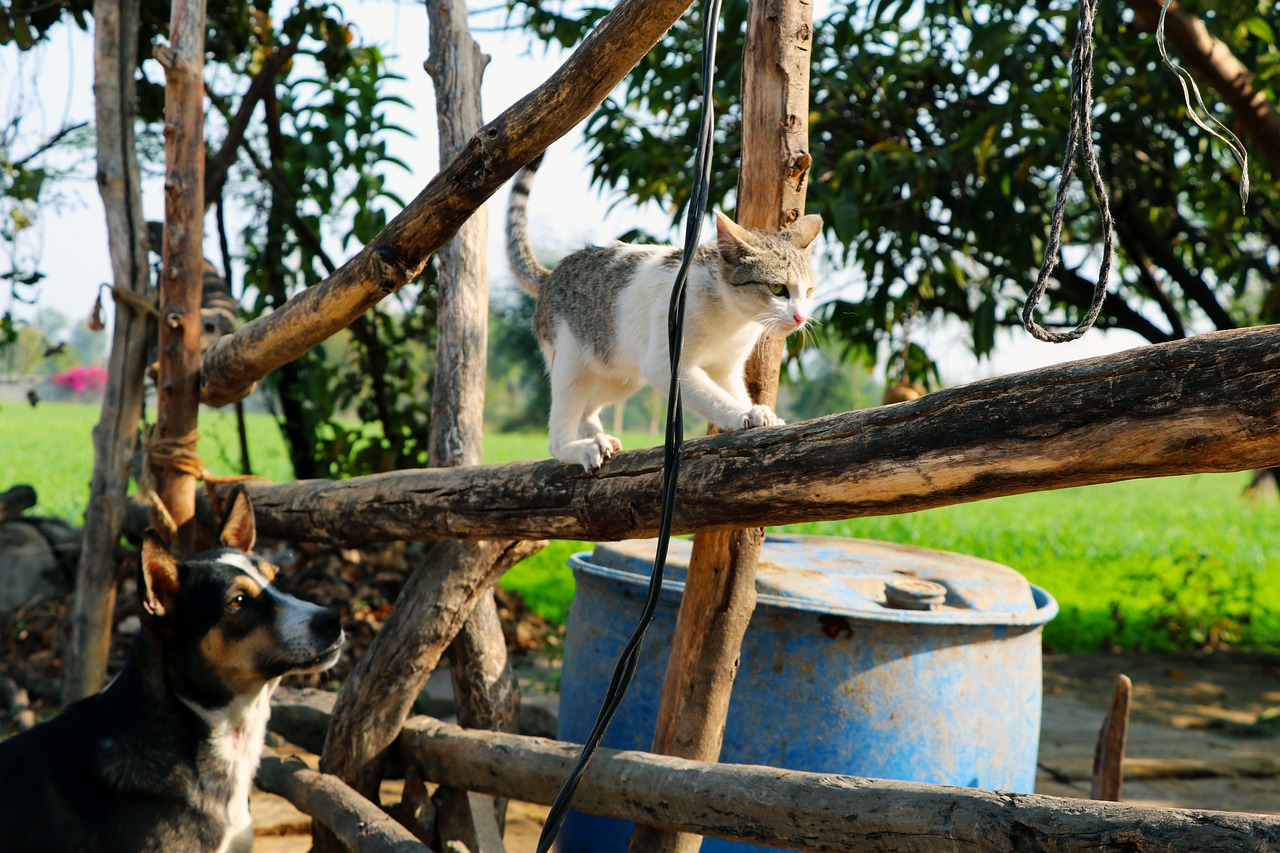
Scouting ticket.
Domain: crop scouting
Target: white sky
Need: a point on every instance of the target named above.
(566, 212)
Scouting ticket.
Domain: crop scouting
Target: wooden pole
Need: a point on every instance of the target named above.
(720, 593)
(376, 697)
(1207, 404)
(488, 696)
(360, 824)
(820, 811)
(398, 254)
(182, 258)
(1108, 753)
(115, 438)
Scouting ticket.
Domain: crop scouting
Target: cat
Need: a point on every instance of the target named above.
(601, 321)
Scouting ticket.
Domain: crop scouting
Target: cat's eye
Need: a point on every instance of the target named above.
(778, 289)
(808, 294)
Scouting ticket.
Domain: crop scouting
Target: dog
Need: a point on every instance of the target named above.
(162, 759)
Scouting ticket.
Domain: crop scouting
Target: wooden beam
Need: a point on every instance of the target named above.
(182, 258)
(819, 811)
(1207, 404)
(720, 592)
(361, 825)
(398, 254)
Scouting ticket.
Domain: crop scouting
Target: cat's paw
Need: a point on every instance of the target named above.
(758, 416)
(607, 444)
(592, 453)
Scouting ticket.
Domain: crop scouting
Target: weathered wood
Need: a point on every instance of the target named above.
(821, 811)
(182, 261)
(1208, 404)
(1108, 754)
(487, 695)
(400, 251)
(377, 695)
(720, 592)
(487, 692)
(115, 438)
(360, 824)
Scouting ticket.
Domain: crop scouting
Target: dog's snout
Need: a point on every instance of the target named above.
(327, 625)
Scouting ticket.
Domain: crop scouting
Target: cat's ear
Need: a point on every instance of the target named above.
(733, 240)
(805, 230)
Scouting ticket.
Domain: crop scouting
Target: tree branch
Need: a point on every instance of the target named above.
(218, 165)
(1213, 62)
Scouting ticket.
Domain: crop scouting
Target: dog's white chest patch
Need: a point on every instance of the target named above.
(236, 739)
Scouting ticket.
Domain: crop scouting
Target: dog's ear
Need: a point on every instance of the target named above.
(238, 528)
(158, 582)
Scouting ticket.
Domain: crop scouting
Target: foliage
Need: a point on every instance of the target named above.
(518, 391)
(313, 164)
(937, 130)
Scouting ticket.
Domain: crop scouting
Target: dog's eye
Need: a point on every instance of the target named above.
(237, 602)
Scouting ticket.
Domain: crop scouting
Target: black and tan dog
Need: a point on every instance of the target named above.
(162, 759)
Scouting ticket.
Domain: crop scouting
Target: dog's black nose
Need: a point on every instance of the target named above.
(326, 625)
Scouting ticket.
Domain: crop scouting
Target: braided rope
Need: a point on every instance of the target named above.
(1081, 127)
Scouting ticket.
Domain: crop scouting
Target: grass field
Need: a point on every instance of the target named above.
(1171, 563)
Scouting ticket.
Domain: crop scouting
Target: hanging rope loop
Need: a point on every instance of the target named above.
(1079, 141)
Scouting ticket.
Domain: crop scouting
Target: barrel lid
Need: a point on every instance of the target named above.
(863, 578)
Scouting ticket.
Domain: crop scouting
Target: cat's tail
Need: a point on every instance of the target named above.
(530, 275)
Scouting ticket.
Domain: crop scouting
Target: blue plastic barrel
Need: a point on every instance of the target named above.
(841, 670)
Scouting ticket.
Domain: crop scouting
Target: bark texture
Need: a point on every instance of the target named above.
(182, 259)
(399, 252)
(720, 592)
(360, 825)
(377, 695)
(820, 811)
(488, 696)
(115, 438)
(1207, 404)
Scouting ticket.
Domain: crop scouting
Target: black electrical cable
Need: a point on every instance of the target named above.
(625, 668)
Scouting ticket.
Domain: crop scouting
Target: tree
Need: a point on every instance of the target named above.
(937, 135)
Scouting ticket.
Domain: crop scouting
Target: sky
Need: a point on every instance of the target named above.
(72, 236)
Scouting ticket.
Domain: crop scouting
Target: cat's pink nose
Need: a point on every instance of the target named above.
(799, 318)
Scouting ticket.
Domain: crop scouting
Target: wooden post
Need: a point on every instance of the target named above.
(720, 592)
(376, 697)
(181, 261)
(1108, 753)
(487, 693)
(115, 437)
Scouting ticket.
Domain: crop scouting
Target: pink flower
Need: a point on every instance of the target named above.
(80, 379)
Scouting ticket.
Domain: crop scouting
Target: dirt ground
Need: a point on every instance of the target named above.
(1204, 733)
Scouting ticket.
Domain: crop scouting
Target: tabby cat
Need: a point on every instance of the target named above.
(601, 321)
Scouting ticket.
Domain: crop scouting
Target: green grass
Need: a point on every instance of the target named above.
(1169, 563)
